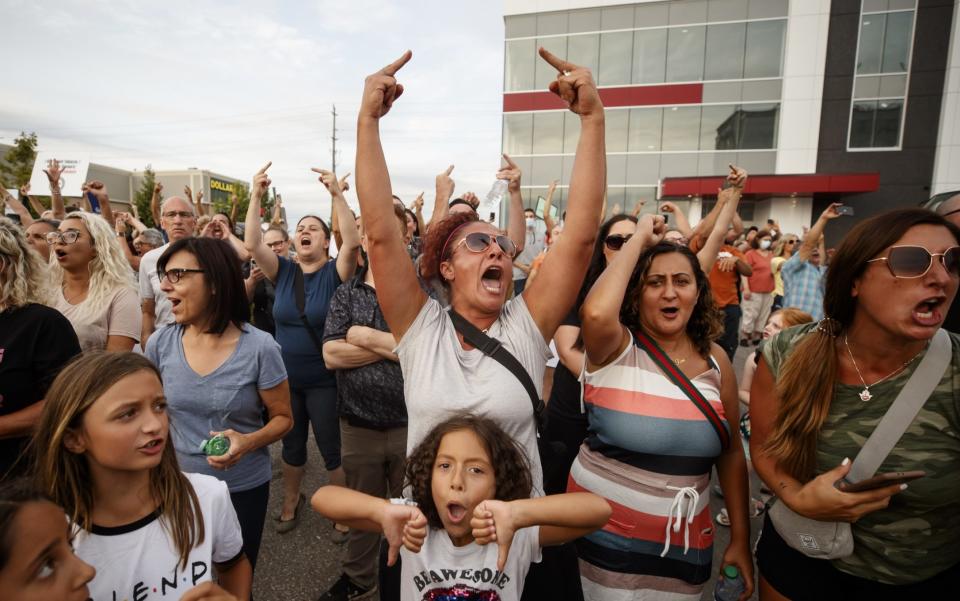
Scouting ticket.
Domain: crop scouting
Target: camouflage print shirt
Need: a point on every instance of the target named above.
(918, 535)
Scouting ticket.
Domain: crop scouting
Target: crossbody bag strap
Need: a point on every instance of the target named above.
(492, 348)
(680, 379)
(300, 297)
(904, 409)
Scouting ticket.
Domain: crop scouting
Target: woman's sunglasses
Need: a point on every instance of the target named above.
(478, 242)
(616, 241)
(915, 261)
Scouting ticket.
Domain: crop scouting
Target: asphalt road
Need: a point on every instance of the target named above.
(300, 565)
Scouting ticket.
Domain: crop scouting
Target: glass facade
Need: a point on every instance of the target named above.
(737, 43)
(880, 82)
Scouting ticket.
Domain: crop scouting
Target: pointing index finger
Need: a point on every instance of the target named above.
(398, 64)
(264, 168)
(345, 176)
(556, 62)
(449, 170)
(509, 161)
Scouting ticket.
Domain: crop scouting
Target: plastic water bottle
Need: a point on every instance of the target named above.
(218, 445)
(730, 585)
(496, 194)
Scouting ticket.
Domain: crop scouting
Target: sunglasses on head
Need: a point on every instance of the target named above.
(915, 261)
(616, 241)
(478, 242)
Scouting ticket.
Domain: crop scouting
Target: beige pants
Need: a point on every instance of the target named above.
(756, 310)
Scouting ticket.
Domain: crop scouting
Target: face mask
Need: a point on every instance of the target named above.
(764, 244)
(530, 222)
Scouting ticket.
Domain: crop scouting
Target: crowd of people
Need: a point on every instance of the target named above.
(533, 412)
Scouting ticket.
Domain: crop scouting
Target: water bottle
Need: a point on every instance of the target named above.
(496, 194)
(730, 585)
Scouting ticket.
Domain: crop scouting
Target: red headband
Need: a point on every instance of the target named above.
(452, 236)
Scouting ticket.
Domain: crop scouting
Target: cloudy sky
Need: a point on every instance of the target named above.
(227, 85)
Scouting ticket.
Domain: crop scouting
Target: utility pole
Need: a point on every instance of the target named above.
(333, 142)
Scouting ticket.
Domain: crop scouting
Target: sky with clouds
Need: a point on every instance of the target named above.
(228, 85)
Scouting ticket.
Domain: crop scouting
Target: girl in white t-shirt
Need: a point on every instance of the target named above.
(470, 484)
(103, 454)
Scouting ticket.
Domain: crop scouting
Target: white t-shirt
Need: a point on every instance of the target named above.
(444, 571)
(150, 288)
(120, 317)
(139, 560)
(441, 379)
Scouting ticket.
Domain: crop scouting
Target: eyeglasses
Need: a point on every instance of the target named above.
(790, 241)
(915, 261)
(616, 241)
(67, 237)
(276, 244)
(478, 242)
(174, 275)
(180, 214)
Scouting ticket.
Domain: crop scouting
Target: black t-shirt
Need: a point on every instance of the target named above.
(952, 321)
(35, 343)
(565, 422)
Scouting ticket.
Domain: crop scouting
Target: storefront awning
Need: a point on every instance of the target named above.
(775, 185)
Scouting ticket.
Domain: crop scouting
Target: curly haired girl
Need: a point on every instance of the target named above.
(470, 484)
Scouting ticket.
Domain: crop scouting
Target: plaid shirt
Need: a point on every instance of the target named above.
(803, 285)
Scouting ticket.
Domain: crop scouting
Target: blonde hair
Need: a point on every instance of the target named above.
(24, 277)
(109, 269)
(66, 477)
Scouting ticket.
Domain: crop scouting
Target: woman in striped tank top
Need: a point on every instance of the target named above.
(650, 448)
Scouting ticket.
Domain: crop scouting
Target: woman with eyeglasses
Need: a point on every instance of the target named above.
(299, 330)
(782, 251)
(660, 396)
(97, 291)
(36, 341)
(820, 391)
(219, 375)
(473, 260)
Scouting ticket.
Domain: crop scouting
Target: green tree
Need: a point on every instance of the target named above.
(17, 164)
(143, 195)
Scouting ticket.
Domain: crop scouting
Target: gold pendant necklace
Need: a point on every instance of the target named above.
(678, 362)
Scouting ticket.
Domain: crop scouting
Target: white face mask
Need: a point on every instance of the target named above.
(764, 244)
(530, 222)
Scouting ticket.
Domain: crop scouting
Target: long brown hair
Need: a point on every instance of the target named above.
(808, 375)
(66, 476)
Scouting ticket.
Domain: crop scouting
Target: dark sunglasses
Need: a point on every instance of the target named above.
(616, 241)
(478, 242)
(174, 275)
(915, 261)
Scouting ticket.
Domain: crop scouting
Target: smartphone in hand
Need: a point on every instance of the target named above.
(845, 210)
(879, 481)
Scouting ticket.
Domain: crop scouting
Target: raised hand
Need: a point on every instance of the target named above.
(669, 207)
(637, 208)
(512, 174)
(188, 193)
(344, 184)
(54, 173)
(199, 196)
(737, 176)
(831, 211)
(574, 85)
(445, 183)
(381, 89)
(234, 201)
(493, 522)
(417, 205)
(121, 225)
(403, 525)
(25, 190)
(157, 189)
(471, 198)
(651, 229)
(329, 180)
(261, 181)
(99, 191)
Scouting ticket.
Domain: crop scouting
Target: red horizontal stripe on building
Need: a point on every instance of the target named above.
(684, 93)
(776, 185)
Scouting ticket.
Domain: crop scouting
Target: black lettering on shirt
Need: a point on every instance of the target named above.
(140, 592)
(199, 570)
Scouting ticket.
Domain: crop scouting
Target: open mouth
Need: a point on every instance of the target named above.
(305, 242)
(174, 302)
(154, 446)
(670, 311)
(928, 310)
(61, 254)
(456, 512)
(491, 280)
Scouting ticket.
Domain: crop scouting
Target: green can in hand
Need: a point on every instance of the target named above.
(218, 445)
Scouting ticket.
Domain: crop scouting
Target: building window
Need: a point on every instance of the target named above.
(884, 42)
(584, 50)
(681, 128)
(883, 58)
(685, 53)
(547, 132)
(649, 55)
(520, 65)
(518, 133)
(876, 123)
(616, 50)
(644, 130)
(617, 129)
(764, 49)
(725, 45)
